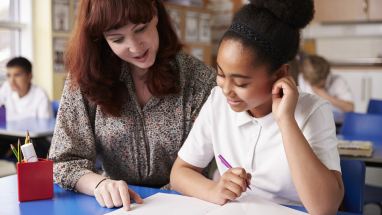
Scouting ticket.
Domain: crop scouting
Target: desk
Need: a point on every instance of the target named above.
(64, 202)
(38, 128)
(376, 159)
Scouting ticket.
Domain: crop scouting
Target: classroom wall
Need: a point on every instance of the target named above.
(42, 46)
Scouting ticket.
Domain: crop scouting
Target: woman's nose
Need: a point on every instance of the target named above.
(134, 46)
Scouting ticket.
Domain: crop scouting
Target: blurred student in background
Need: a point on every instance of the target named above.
(21, 98)
(316, 78)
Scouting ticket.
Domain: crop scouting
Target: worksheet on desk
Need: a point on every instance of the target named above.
(171, 204)
(250, 204)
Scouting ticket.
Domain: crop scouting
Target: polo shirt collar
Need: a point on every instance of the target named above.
(243, 118)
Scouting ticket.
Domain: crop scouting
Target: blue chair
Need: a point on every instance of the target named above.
(55, 106)
(353, 176)
(365, 127)
(375, 106)
(362, 126)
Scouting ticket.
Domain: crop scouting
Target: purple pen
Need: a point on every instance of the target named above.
(226, 164)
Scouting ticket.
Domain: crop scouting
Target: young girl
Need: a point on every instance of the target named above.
(282, 144)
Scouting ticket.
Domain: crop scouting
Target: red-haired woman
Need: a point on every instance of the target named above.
(130, 100)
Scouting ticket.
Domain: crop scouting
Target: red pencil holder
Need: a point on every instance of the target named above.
(35, 180)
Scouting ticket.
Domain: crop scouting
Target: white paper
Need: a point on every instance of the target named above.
(171, 204)
(250, 204)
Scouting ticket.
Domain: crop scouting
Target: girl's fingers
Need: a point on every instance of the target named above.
(234, 188)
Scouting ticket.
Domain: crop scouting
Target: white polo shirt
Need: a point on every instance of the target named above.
(335, 85)
(256, 144)
(35, 104)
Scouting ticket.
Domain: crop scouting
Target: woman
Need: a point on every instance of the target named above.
(130, 100)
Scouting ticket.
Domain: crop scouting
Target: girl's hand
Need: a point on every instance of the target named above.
(112, 193)
(230, 186)
(284, 97)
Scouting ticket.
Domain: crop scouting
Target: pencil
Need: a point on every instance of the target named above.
(18, 151)
(14, 152)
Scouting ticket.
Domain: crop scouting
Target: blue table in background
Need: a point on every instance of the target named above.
(64, 202)
(38, 128)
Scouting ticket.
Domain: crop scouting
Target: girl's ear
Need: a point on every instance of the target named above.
(283, 71)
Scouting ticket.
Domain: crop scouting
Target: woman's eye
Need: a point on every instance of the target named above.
(119, 40)
(220, 75)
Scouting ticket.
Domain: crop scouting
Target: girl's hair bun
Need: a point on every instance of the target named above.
(296, 13)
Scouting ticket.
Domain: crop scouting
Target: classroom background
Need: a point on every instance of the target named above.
(347, 33)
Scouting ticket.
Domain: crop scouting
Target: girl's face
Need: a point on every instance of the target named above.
(136, 44)
(246, 86)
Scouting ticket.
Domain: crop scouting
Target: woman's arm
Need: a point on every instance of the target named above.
(320, 189)
(73, 151)
(109, 193)
(188, 180)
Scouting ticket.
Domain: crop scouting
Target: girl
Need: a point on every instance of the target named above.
(281, 143)
(130, 100)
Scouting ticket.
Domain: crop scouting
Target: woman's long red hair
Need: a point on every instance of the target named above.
(96, 70)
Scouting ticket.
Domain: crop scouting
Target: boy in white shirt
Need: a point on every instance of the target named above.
(280, 143)
(22, 99)
(316, 78)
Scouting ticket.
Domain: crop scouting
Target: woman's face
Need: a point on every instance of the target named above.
(245, 85)
(136, 44)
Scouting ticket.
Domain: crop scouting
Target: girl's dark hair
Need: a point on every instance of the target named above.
(96, 69)
(271, 29)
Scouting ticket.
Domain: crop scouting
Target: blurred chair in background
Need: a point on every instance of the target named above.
(375, 106)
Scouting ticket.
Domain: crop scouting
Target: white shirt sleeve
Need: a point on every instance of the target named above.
(320, 132)
(340, 89)
(197, 150)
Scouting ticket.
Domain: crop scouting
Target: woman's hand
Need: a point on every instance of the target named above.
(230, 186)
(112, 193)
(284, 97)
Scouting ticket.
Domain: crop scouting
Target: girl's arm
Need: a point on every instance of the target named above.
(188, 180)
(345, 106)
(320, 189)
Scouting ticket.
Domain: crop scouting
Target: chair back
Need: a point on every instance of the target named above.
(375, 106)
(353, 176)
(362, 126)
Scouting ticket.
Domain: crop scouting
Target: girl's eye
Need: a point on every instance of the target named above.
(141, 29)
(241, 85)
(220, 75)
